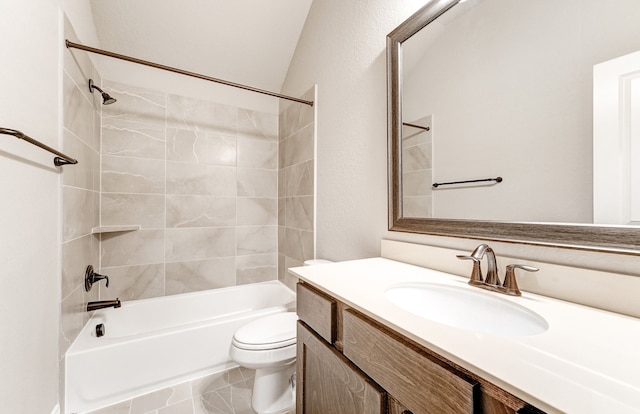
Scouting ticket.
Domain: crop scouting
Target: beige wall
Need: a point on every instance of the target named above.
(31, 80)
(342, 50)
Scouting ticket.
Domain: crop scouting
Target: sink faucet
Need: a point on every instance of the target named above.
(101, 304)
(492, 263)
(492, 282)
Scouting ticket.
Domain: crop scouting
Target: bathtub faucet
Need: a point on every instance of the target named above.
(101, 304)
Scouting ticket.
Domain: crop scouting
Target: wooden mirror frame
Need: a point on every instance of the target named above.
(617, 239)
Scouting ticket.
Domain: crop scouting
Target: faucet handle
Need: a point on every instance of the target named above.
(476, 274)
(91, 277)
(510, 283)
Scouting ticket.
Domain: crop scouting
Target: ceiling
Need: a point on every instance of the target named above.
(244, 41)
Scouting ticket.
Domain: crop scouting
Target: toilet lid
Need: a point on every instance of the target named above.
(269, 332)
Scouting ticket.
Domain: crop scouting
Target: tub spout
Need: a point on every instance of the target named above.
(101, 304)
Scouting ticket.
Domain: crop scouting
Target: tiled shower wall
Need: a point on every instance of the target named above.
(80, 192)
(201, 179)
(417, 169)
(296, 191)
(218, 192)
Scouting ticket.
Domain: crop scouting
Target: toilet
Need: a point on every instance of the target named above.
(268, 345)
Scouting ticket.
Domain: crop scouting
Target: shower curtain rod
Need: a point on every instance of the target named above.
(71, 44)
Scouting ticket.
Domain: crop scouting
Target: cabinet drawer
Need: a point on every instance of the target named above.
(317, 310)
(409, 374)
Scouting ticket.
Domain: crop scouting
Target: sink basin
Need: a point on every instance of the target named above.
(467, 308)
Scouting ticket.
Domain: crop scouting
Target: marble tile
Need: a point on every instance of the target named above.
(257, 240)
(282, 210)
(200, 211)
(132, 248)
(257, 183)
(183, 407)
(147, 210)
(193, 276)
(121, 408)
(212, 403)
(79, 212)
(282, 188)
(134, 282)
(76, 255)
(285, 277)
(257, 125)
(299, 147)
(299, 212)
(79, 113)
(216, 381)
(161, 398)
(126, 138)
(298, 244)
(414, 136)
(199, 243)
(197, 146)
(299, 179)
(257, 211)
(134, 104)
(201, 179)
(256, 268)
(417, 183)
(281, 238)
(234, 399)
(225, 392)
(296, 116)
(85, 174)
(190, 113)
(417, 206)
(255, 153)
(416, 158)
(73, 316)
(132, 175)
(77, 64)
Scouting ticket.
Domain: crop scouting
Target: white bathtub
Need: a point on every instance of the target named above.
(154, 343)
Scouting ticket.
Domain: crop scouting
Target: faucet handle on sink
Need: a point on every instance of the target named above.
(510, 284)
(476, 274)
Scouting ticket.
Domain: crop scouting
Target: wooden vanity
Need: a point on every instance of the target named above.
(350, 364)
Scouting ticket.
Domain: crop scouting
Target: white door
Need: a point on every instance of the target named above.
(616, 141)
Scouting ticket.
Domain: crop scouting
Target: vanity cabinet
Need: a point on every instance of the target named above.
(349, 363)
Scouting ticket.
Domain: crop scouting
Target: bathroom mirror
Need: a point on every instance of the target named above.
(505, 91)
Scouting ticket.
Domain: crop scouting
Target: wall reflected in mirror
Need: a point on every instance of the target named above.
(506, 90)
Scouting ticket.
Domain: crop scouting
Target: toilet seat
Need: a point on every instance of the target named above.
(269, 332)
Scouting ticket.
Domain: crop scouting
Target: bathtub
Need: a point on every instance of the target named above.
(155, 343)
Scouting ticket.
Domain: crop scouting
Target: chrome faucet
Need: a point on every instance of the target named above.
(492, 281)
(101, 304)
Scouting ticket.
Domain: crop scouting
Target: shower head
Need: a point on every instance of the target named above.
(106, 98)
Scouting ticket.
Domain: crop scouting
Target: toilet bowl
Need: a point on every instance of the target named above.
(268, 345)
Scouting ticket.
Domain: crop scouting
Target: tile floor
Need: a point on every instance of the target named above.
(227, 392)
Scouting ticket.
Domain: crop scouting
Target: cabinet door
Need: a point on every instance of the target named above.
(327, 383)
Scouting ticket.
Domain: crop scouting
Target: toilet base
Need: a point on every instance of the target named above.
(274, 389)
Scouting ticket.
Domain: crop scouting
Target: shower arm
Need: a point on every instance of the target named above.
(70, 44)
(58, 161)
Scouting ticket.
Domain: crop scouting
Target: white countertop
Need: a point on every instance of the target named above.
(587, 362)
